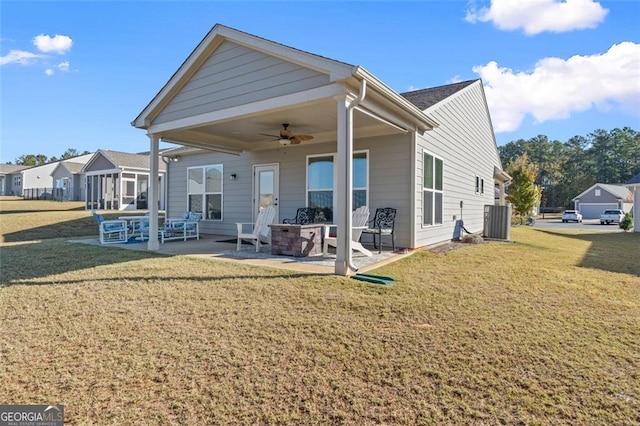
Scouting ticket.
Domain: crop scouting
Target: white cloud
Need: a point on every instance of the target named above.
(59, 44)
(19, 57)
(536, 16)
(556, 87)
(63, 66)
(48, 72)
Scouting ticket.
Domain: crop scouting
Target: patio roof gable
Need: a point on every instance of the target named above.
(222, 42)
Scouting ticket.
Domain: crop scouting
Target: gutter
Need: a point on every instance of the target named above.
(411, 109)
(349, 225)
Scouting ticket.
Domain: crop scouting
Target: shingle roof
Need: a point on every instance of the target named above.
(426, 98)
(619, 191)
(11, 168)
(635, 179)
(73, 167)
(125, 159)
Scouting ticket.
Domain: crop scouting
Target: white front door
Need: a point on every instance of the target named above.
(266, 184)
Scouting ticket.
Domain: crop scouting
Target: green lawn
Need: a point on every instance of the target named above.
(544, 330)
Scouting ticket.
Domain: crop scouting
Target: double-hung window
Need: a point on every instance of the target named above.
(321, 181)
(432, 190)
(204, 188)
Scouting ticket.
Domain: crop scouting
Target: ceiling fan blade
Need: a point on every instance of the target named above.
(272, 136)
(303, 137)
(294, 140)
(284, 133)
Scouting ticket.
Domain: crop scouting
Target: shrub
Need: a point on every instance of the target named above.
(627, 222)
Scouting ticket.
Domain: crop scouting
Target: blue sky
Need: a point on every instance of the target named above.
(75, 74)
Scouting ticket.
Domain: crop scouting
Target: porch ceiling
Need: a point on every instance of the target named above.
(243, 133)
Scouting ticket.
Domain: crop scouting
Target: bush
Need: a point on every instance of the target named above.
(627, 222)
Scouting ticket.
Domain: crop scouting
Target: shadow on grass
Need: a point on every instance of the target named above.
(81, 227)
(28, 263)
(613, 252)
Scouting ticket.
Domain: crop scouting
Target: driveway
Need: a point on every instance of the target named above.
(589, 225)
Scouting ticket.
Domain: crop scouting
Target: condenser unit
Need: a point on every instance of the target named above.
(497, 222)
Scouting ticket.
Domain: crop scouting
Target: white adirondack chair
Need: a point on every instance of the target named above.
(359, 219)
(260, 232)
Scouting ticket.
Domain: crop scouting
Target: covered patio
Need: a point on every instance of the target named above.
(235, 89)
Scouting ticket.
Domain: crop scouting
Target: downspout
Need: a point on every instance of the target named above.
(354, 103)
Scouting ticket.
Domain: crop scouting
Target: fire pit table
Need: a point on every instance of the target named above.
(296, 240)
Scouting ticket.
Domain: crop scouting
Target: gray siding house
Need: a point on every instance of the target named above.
(119, 181)
(11, 179)
(593, 201)
(238, 102)
(68, 179)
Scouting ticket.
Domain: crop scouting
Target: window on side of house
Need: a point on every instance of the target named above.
(481, 186)
(597, 192)
(17, 180)
(321, 182)
(204, 189)
(432, 186)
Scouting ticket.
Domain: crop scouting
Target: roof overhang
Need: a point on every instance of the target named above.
(312, 111)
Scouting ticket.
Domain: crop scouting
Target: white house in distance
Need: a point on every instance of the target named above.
(430, 154)
(600, 197)
(39, 181)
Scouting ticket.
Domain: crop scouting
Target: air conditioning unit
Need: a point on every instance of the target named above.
(497, 222)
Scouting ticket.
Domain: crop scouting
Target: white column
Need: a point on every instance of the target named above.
(152, 198)
(344, 186)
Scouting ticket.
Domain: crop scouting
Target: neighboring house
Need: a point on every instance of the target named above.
(11, 179)
(119, 181)
(601, 196)
(37, 181)
(68, 180)
(634, 185)
(431, 154)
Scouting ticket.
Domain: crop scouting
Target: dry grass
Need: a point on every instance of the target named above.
(541, 331)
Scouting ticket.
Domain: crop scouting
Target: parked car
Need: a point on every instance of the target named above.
(611, 216)
(571, 215)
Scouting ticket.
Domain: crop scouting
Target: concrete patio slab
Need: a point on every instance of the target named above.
(218, 248)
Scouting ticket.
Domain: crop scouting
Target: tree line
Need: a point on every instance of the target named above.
(40, 159)
(565, 169)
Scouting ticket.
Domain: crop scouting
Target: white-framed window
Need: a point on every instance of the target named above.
(432, 189)
(597, 192)
(321, 181)
(17, 180)
(205, 190)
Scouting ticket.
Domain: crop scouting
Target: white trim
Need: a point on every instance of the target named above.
(245, 110)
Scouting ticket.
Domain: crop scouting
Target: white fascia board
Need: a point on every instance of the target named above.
(102, 172)
(424, 122)
(143, 119)
(249, 109)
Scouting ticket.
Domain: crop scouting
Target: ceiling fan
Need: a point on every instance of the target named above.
(286, 137)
